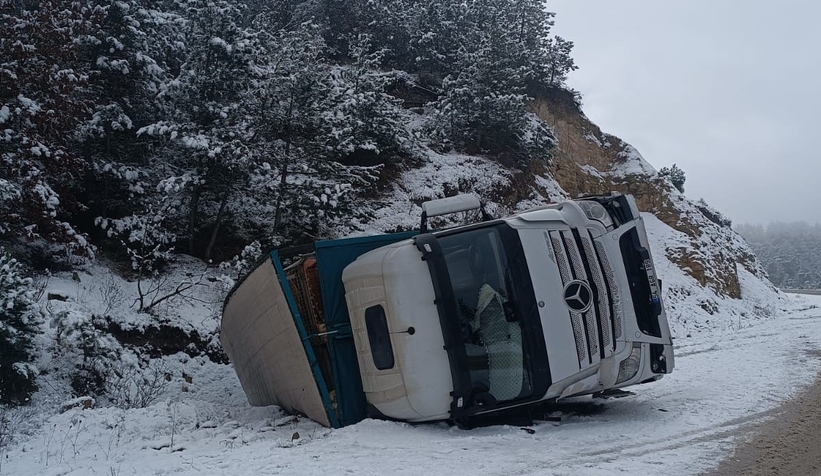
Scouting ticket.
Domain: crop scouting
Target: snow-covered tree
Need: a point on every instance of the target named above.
(244, 120)
(148, 242)
(483, 104)
(389, 25)
(358, 114)
(18, 321)
(558, 62)
(440, 33)
(444, 33)
(206, 135)
(790, 252)
(136, 47)
(676, 176)
(342, 20)
(43, 97)
(289, 92)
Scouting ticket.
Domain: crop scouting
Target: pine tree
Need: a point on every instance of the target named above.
(311, 116)
(483, 102)
(208, 130)
(344, 19)
(287, 103)
(675, 175)
(790, 252)
(133, 54)
(17, 328)
(388, 26)
(358, 114)
(43, 97)
(558, 62)
(234, 121)
(442, 31)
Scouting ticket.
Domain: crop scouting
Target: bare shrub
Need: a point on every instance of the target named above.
(70, 439)
(12, 422)
(40, 285)
(174, 424)
(112, 294)
(157, 289)
(137, 388)
(117, 427)
(763, 310)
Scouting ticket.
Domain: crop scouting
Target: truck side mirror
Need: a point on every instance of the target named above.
(445, 206)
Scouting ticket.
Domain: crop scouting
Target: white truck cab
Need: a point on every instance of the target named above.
(557, 301)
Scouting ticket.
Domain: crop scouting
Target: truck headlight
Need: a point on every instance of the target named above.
(595, 211)
(629, 367)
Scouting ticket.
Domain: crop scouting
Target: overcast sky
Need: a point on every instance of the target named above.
(727, 89)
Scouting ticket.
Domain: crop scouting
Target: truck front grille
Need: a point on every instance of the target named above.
(580, 271)
(580, 257)
(605, 318)
(564, 271)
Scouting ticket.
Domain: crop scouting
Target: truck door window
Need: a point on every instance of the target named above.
(478, 262)
(379, 338)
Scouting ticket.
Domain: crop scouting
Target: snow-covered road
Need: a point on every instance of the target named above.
(684, 424)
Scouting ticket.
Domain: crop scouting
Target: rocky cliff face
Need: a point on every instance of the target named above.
(591, 161)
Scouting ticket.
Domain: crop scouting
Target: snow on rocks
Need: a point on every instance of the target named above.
(633, 163)
(85, 403)
(438, 175)
(692, 307)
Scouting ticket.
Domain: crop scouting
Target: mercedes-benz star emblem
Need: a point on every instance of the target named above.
(578, 296)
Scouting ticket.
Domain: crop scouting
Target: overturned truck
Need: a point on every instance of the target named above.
(454, 324)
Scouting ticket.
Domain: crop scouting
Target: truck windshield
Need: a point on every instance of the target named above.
(497, 312)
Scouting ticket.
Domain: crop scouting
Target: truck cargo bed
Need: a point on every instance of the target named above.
(288, 333)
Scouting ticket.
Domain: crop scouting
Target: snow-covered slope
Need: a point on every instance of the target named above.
(173, 404)
(692, 307)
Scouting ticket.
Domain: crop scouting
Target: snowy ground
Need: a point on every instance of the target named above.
(725, 381)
